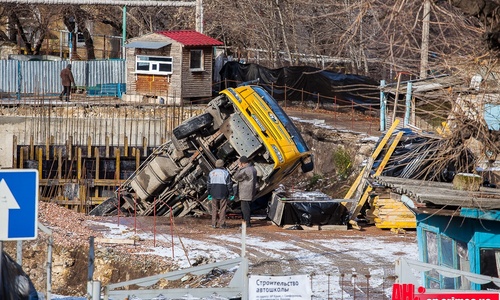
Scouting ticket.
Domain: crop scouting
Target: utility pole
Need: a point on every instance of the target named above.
(124, 30)
(424, 51)
(199, 16)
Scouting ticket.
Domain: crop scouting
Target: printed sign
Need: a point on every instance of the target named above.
(407, 292)
(294, 287)
(18, 204)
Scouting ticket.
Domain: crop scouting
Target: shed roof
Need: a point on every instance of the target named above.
(428, 195)
(191, 38)
(146, 44)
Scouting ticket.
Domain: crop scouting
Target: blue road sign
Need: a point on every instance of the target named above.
(18, 204)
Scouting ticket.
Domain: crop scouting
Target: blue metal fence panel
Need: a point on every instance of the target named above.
(42, 77)
(8, 76)
(109, 71)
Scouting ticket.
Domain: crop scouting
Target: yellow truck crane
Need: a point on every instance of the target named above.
(241, 121)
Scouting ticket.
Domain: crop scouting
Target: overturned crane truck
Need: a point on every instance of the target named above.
(241, 121)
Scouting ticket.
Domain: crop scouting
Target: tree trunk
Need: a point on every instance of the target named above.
(21, 33)
(89, 42)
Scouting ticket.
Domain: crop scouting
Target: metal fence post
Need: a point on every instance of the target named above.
(19, 80)
(382, 105)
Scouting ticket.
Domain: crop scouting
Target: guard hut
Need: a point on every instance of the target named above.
(458, 233)
(169, 66)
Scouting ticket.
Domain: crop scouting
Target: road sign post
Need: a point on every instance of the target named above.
(18, 204)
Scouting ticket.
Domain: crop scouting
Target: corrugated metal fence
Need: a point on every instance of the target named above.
(42, 77)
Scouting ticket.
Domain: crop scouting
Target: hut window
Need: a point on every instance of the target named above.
(489, 260)
(196, 60)
(161, 65)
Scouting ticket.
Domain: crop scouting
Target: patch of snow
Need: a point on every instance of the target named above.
(322, 124)
(323, 263)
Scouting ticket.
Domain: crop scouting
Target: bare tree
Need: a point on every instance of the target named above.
(369, 34)
(371, 37)
(27, 25)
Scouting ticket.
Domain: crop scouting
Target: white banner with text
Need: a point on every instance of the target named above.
(294, 287)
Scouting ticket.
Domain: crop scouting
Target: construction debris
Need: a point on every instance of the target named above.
(401, 156)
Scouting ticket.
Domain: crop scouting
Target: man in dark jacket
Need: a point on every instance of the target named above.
(246, 177)
(220, 189)
(66, 80)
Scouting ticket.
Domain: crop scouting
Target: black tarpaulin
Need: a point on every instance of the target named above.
(14, 283)
(305, 83)
(306, 208)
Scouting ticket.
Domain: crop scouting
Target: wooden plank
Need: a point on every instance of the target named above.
(97, 182)
(152, 84)
(15, 164)
(97, 157)
(78, 163)
(115, 241)
(59, 163)
(310, 228)
(362, 184)
(374, 155)
(117, 165)
(32, 148)
(89, 146)
(21, 158)
(93, 201)
(362, 201)
(137, 158)
(106, 142)
(125, 146)
(334, 227)
(393, 214)
(69, 147)
(40, 162)
(47, 148)
(145, 145)
(62, 202)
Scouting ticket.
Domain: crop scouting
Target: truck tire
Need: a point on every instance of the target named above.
(192, 125)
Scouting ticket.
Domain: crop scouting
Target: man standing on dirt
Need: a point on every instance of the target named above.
(220, 189)
(66, 80)
(246, 177)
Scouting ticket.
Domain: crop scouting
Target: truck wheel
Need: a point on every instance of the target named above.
(192, 125)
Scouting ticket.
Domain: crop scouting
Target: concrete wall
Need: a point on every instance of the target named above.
(58, 125)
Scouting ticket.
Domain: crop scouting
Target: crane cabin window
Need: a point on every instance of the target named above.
(160, 65)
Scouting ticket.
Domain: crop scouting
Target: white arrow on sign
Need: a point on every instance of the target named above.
(7, 201)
